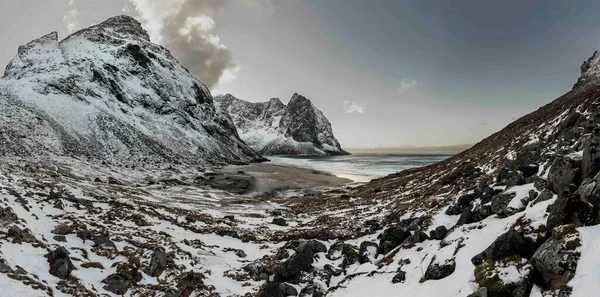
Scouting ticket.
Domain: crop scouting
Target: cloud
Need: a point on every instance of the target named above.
(406, 85)
(184, 27)
(71, 18)
(354, 107)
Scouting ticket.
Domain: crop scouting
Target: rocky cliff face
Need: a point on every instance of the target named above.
(273, 128)
(108, 93)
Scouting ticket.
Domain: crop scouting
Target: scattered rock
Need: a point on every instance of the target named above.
(481, 292)
(391, 238)
(438, 233)
(279, 222)
(399, 277)
(187, 283)
(510, 243)
(60, 238)
(301, 260)
(563, 172)
(277, 289)
(500, 201)
(494, 277)
(543, 196)
(60, 263)
(437, 270)
(367, 250)
(556, 259)
(529, 169)
(590, 162)
(159, 261)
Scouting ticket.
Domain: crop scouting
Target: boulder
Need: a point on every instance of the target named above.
(60, 263)
(514, 178)
(19, 235)
(570, 208)
(126, 276)
(391, 238)
(340, 249)
(186, 284)
(301, 260)
(481, 292)
(510, 277)
(500, 201)
(279, 222)
(366, 251)
(590, 161)
(438, 233)
(437, 270)
(543, 196)
(508, 244)
(461, 204)
(556, 260)
(117, 283)
(159, 261)
(563, 172)
(277, 289)
(418, 236)
(529, 169)
(399, 277)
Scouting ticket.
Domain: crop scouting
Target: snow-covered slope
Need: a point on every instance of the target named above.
(273, 128)
(108, 93)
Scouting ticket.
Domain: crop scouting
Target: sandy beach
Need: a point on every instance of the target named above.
(264, 178)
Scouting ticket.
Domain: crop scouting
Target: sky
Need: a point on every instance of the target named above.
(385, 73)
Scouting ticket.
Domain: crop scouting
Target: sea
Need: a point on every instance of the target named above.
(360, 167)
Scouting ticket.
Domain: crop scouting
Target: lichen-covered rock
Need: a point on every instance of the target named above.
(556, 259)
(563, 172)
(510, 276)
(500, 201)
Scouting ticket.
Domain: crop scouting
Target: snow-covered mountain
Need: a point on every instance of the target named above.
(273, 128)
(108, 93)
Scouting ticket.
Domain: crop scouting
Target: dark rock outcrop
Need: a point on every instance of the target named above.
(301, 260)
(508, 244)
(60, 263)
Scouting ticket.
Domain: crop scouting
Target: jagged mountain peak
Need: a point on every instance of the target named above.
(590, 71)
(107, 92)
(273, 128)
(123, 25)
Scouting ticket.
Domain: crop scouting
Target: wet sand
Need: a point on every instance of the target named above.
(268, 178)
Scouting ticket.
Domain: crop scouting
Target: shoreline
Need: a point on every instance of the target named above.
(268, 179)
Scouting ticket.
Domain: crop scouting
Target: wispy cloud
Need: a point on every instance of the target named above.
(185, 27)
(406, 85)
(354, 107)
(71, 18)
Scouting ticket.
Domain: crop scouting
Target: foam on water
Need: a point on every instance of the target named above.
(361, 167)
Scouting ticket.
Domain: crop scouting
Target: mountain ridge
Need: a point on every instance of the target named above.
(274, 128)
(108, 93)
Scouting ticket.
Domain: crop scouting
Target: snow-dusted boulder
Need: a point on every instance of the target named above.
(273, 128)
